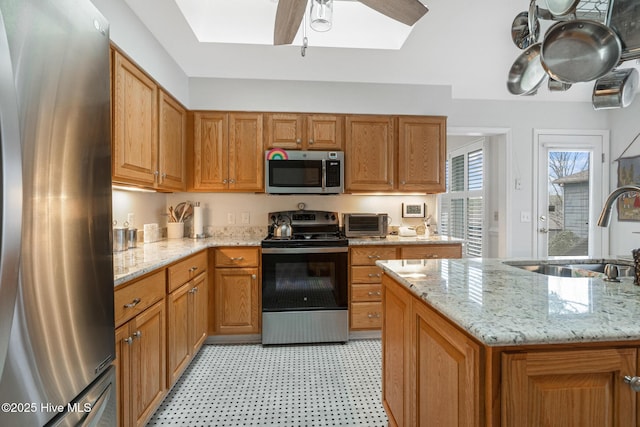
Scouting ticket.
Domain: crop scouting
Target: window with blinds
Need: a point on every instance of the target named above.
(462, 206)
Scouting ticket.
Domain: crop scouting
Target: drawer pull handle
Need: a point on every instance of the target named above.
(373, 315)
(137, 334)
(376, 293)
(132, 303)
(374, 256)
(374, 274)
(128, 340)
(240, 258)
(192, 269)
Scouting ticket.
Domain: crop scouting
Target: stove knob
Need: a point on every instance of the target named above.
(333, 217)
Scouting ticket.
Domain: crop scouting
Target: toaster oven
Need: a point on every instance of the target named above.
(365, 224)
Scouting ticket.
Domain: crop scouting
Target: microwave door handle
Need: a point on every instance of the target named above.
(324, 174)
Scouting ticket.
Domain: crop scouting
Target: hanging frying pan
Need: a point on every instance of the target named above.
(525, 28)
(562, 7)
(580, 51)
(527, 73)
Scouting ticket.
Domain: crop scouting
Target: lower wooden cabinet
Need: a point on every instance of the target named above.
(186, 325)
(581, 388)
(141, 365)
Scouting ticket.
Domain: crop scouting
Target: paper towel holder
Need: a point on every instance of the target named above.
(196, 224)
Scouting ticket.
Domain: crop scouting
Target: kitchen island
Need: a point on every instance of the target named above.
(477, 342)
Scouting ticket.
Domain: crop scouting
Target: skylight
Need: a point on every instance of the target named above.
(252, 21)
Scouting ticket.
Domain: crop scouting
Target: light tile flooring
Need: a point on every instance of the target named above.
(302, 385)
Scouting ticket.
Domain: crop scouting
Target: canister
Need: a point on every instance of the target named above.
(132, 237)
(120, 237)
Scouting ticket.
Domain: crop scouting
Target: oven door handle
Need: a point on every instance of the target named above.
(316, 250)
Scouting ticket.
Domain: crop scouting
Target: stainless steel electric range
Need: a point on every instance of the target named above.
(304, 279)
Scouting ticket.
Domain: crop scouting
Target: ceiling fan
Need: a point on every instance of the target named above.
(290, 13)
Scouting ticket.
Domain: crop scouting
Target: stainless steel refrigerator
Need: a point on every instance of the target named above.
(56, 266)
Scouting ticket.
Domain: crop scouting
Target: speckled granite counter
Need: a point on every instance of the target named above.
(147, 257)
(501, 305)
(397, 240)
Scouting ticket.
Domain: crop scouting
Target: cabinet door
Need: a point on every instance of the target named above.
(135, 124)
(148, 362)
(324, 132)
(246, 152)
(447, 372)
(172, 140)
(396, 353)
(178, 339)
(369, 153)
(199, 317)
(123, 373)
(422, 150)
(284, 130)
(209, 158)
(579, 388)
(237, 301)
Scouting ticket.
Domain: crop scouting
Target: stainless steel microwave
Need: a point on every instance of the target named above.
(304, 172)
(365, 224)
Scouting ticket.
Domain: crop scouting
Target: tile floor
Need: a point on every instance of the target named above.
(302, 385)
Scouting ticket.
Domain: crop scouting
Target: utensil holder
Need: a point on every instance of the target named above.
(175, 230)
(636, 266)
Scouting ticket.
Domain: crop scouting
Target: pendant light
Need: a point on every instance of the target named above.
(321, 15)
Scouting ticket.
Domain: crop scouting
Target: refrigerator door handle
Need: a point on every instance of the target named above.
(10, 194)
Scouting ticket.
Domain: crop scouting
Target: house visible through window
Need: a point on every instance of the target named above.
(462, 206)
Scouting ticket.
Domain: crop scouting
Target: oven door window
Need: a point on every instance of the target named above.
(294, 282)
(295, 173)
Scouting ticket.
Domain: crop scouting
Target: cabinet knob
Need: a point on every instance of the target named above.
(128, 340)
(133, 303)
(374, 256)
(402, 182)
(374, 275)
(192, 269)
(137, 334)
(311, 141)
(164, 176)
(298, 141)
(634, 382)
(232, 181)
(376, 293)
(373, 315)
(253, 276)
(239, 258)
(155, 175)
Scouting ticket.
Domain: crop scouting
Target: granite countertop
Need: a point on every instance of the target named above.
(502, 305)
(147, 257)
(398, 240)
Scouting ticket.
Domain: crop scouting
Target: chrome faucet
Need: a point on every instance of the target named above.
(605, 215)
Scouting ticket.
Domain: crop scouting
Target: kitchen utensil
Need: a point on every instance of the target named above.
(283, 229)
(616, 89)
(555, 86)
(580, 51)
(183, 211)
(526, 74)
(172, 215)
(562, 7)
(520, 30)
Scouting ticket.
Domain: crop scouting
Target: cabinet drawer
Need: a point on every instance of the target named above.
(366, 293)
(131, 300)
(185, 270)
(366, 274)
(369, 255)
(237, 257)
(366, 315)
(431, 251)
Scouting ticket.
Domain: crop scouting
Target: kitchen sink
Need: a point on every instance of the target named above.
(594, 268)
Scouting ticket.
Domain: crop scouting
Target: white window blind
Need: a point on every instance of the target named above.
(462, 206)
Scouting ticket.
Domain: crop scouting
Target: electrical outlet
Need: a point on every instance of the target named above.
(245, 218)
(231, 218)
(525, 216)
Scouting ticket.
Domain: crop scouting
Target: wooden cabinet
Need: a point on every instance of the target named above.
(431, 251)
(149, 131)
(140, 349)
(226, 152)
(366, 290)
(237, 291)
(581, 388)
(186, 313)
(379, 158)
(422, 152)
(369, 153)
(295, 131)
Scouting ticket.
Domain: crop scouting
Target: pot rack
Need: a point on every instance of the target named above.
(619, 15)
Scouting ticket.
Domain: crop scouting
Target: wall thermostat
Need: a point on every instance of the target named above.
(414, 210)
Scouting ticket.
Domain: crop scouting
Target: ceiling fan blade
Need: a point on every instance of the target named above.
(288, 17)
(406, 11)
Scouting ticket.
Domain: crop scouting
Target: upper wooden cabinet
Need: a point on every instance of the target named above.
(379, 158)
(226, 152)
(422, 152)
(369, 154)
(293, 131)
(149, 132)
